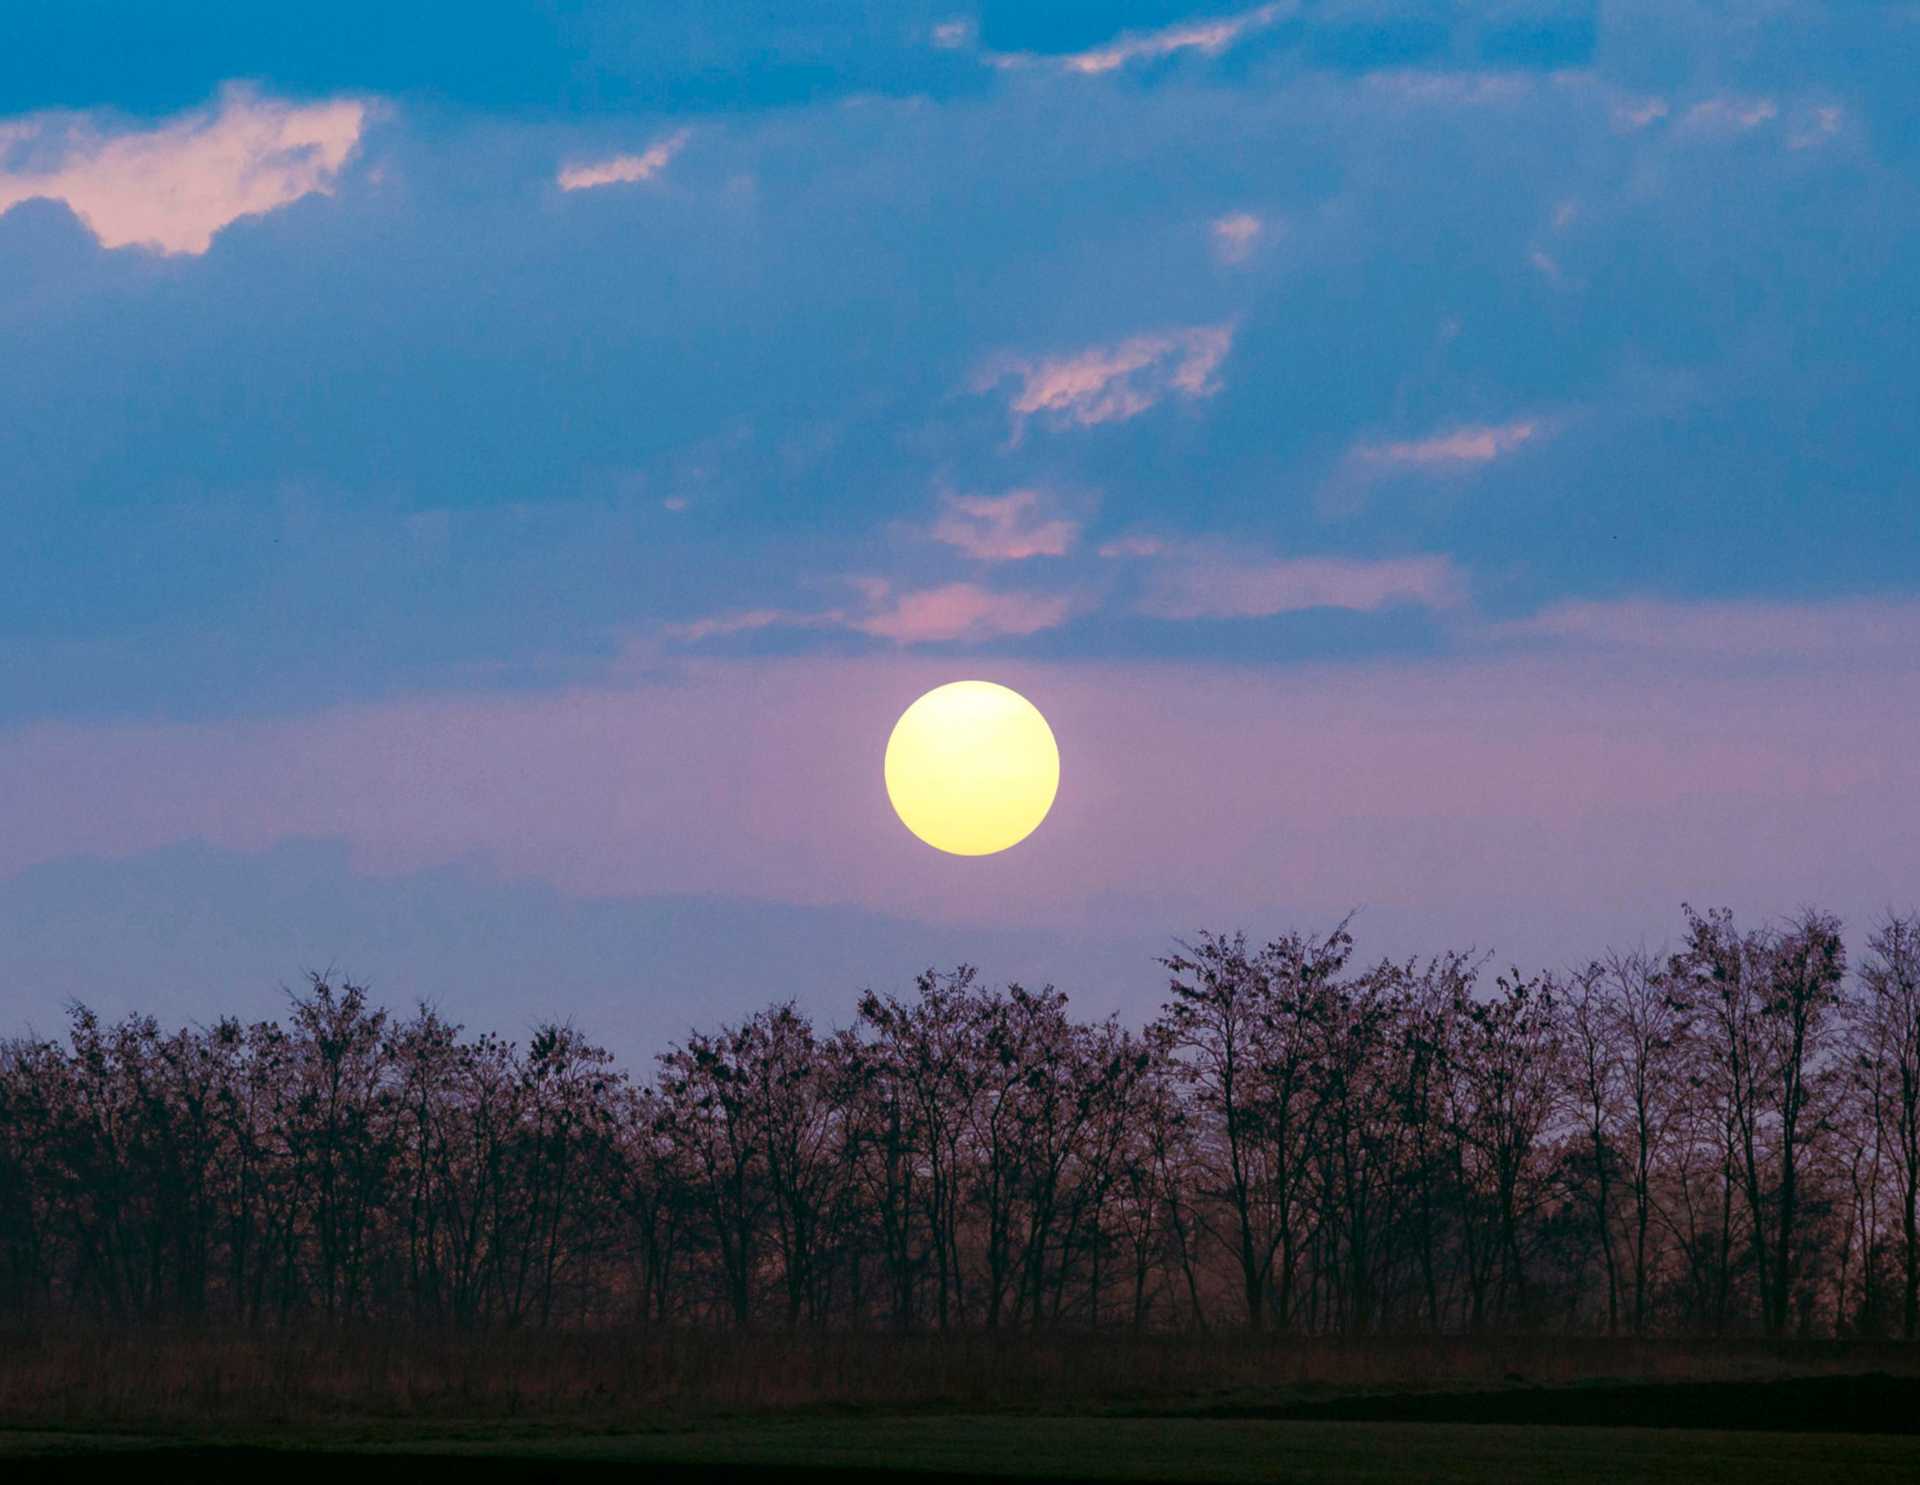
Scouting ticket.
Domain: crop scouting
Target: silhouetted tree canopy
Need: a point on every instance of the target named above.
(1720, 1140)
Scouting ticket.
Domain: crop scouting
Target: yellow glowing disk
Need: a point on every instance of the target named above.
(972, 768)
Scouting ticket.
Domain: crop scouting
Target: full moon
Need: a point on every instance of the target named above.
(972, 768)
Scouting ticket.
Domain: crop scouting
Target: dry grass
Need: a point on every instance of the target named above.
(182, 1379)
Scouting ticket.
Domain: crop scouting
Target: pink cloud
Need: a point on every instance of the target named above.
(1004, 528)
(744, 622)
(624, 169)
(1134, 546)
(1235, 234)
(1633, 114)
(1111, 383)
(1466, 445)
(172, 187)
(1201, 586)
(962, 611)
(1844, 630)
(1729, 114)
(1207, 37)
(951, 611)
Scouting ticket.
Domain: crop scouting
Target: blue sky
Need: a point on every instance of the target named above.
(516, 460)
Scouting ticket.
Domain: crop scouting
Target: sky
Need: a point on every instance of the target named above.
(480, 482)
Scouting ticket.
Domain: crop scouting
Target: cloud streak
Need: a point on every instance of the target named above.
(1729, 114)
(173, 186)
(1209, 37)
(1848, 630)
(913, 616)
(619, 170)
(957, 611)
(1465, 446)
(1198, 585)
(1113, 382)
(1004, 528)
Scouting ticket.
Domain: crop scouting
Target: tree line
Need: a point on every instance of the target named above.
(1720, 1139)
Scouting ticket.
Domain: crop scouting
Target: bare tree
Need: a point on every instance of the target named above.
(798, 1125)
(1683, 1143)
(1507, 1092)
(1770, 998)
(710, 1114)
(1596, 1062)
(1647, 1026)
(1238, 1024)
(1888, 1028)
(924, 1050)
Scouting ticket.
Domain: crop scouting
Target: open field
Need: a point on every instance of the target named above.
(697, 1406)
(965, 1447)
(90, 1378)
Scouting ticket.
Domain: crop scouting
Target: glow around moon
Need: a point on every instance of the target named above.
(972, 768)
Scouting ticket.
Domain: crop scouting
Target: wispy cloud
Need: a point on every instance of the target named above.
(954, 34)
(744, 622)
(1461, 89)
(1235, 234)
(1133, 546)
(1004, 528)
(1469, 444)
(1111, 383)
(962, 611)
(948, 612)
(1630, 115)
(1256, 590)
(1748, 630)
(624, 169)
(1208, 37)
(173, 186)
(1197, 580)
(1729, 114)
(1816, 126)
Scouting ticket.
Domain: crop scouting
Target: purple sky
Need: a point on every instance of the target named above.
(478, 501)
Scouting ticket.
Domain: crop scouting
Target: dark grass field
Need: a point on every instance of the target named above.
(854, 1408)
(1002, 1449)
